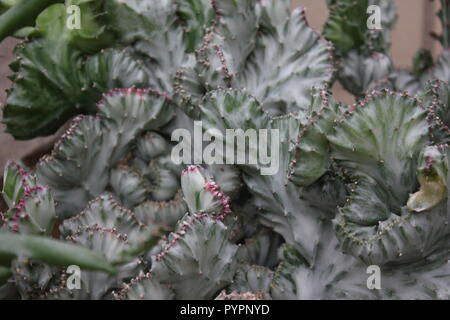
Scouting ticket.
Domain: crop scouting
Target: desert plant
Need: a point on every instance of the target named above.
(357, 186)
(25, 234)
(75, 66)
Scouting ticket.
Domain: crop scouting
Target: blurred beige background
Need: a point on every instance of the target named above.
(416, 19)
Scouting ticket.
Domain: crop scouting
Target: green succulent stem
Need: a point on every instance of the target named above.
(50, 251)
(21, 15)
(355, 186)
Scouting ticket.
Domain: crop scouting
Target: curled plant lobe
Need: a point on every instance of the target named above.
(260, 248)
(346, 24)
(382, 142)
(310, 157)
(162, 212)
(262, 47)
(150, 182)
(444, 16)
(194, 16)
(119, 151)
(20, 15)
(333, 275)
(196, 260)
(31, 205)
(382, 137)
(94, 285)
(277, 199)
(359, 74)
(361, 50)
(252, 278)
(435, 97)
(92, 37)
(62, 170)
(432, 173)
(440, 70)
(79, 167)
(32, 277)
(49, 83)
(15, 182)
(243, 296)
(202, 194)
(120, 44)
(279, 202)
(347, 29)
(337, 275)
(65, 90)
(162, 32)
(417, 82)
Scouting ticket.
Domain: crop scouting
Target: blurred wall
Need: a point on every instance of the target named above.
(10, 149)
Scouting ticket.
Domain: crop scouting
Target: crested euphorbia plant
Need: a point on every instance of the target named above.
(119, 44)
(358, 188)
(363, 57)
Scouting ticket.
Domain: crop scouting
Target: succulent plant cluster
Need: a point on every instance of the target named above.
(357, 186)
(363, 54)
